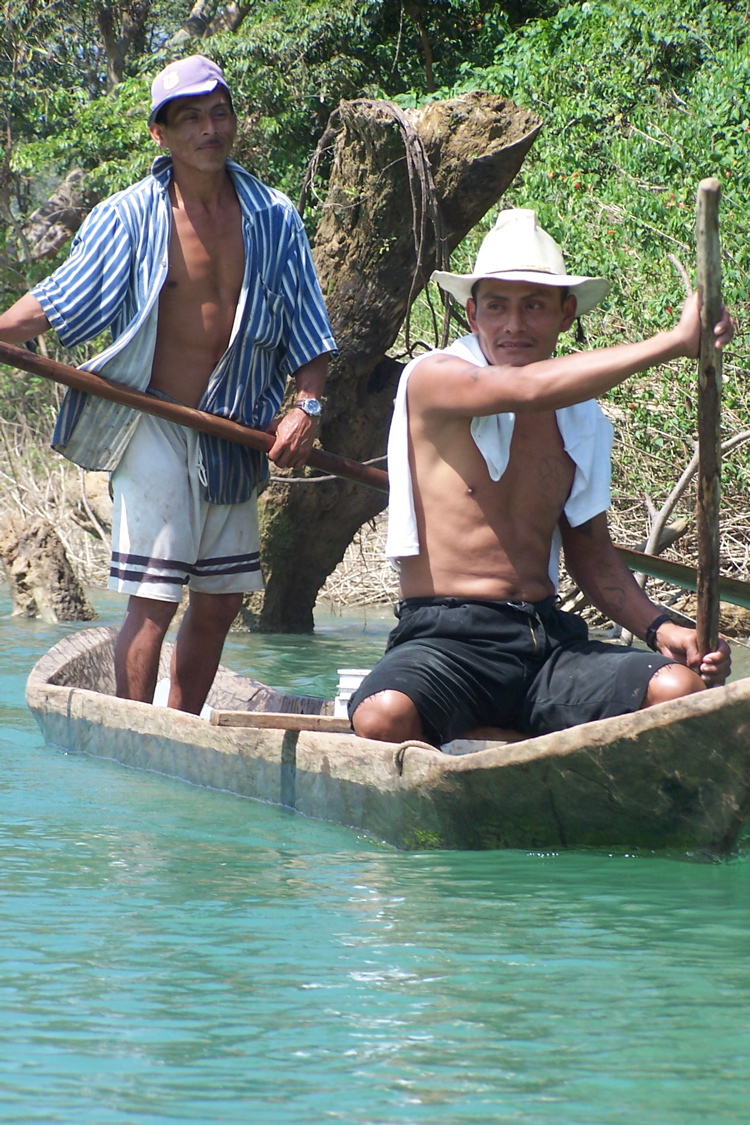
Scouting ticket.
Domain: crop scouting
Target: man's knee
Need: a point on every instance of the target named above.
(139, 645)
(214, 612)
(150, 614)
(671, 681)
(388, 716)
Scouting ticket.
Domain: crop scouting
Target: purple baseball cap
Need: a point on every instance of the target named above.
(185, 78)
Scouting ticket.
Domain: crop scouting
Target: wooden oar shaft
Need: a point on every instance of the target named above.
(709, 415)
(184, 415)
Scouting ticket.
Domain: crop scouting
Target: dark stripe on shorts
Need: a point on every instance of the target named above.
(145, 561)
(235, 562)
(241, 568)
(144, 576)
(122, 564)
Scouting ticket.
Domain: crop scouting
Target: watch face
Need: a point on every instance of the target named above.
(310, 406)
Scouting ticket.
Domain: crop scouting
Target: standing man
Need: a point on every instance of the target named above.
(491, 467)
(205, 279)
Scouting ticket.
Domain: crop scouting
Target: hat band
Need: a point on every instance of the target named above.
(527, 269)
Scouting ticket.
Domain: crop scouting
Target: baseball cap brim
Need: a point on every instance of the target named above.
(207, 86)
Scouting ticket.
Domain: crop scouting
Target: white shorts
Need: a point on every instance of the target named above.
(164, 534)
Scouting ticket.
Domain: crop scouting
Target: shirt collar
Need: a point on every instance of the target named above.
(161, 170)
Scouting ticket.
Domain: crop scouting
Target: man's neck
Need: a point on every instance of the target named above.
(208, 190)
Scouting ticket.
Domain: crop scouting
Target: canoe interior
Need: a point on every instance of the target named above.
(85, 660)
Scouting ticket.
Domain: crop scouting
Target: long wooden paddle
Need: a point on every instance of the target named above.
(738, 593)
(184, 415)
(709, 416)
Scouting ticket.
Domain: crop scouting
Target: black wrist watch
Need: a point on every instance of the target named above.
(311, 406)
(653, 629)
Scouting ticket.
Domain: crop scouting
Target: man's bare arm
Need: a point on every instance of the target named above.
(447, 385)
(23, 321)
(296, 431)
(596, 567)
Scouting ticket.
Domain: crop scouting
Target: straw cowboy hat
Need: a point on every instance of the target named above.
(517, 249)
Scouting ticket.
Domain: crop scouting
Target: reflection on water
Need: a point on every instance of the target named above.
(177, 955)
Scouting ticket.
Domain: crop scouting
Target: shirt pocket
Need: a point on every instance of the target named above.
(265, 324)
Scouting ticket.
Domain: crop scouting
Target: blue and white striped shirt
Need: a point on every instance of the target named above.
(112, 279)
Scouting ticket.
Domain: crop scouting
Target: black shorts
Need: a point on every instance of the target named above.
(529, 667)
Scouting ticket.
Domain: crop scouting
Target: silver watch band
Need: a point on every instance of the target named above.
(311, 406)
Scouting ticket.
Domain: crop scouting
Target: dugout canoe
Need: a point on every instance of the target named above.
(676, 776)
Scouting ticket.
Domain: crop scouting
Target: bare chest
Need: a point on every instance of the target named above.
(540, 473)
(206, 258)
(481, 537)
(198, 300)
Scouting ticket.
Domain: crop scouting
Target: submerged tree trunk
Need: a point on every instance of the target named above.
(404, 189)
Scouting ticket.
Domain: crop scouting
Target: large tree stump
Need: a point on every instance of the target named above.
(41, 578)
(372, 264)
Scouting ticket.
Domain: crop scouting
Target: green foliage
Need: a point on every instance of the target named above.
(292, 62)
(640, 102)
(107, 137)
(29, 398)
(44, 63)
(56, 117)
(289, 65)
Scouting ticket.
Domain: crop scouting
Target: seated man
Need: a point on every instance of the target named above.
(492, 466)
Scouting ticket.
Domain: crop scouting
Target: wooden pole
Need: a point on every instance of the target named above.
(709, 416)
(184, 415)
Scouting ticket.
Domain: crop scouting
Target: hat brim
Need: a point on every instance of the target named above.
(588, 291)
(206, 87)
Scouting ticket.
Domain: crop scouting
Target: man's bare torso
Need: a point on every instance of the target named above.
(199, 298)
(481, 538)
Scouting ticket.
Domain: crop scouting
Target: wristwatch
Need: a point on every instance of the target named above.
(311, 406)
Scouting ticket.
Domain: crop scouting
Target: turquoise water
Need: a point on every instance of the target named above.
(169, 954)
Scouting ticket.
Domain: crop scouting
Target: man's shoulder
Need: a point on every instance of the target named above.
(460, 352)
(139, 195)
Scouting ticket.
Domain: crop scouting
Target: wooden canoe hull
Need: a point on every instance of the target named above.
(676, 776)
